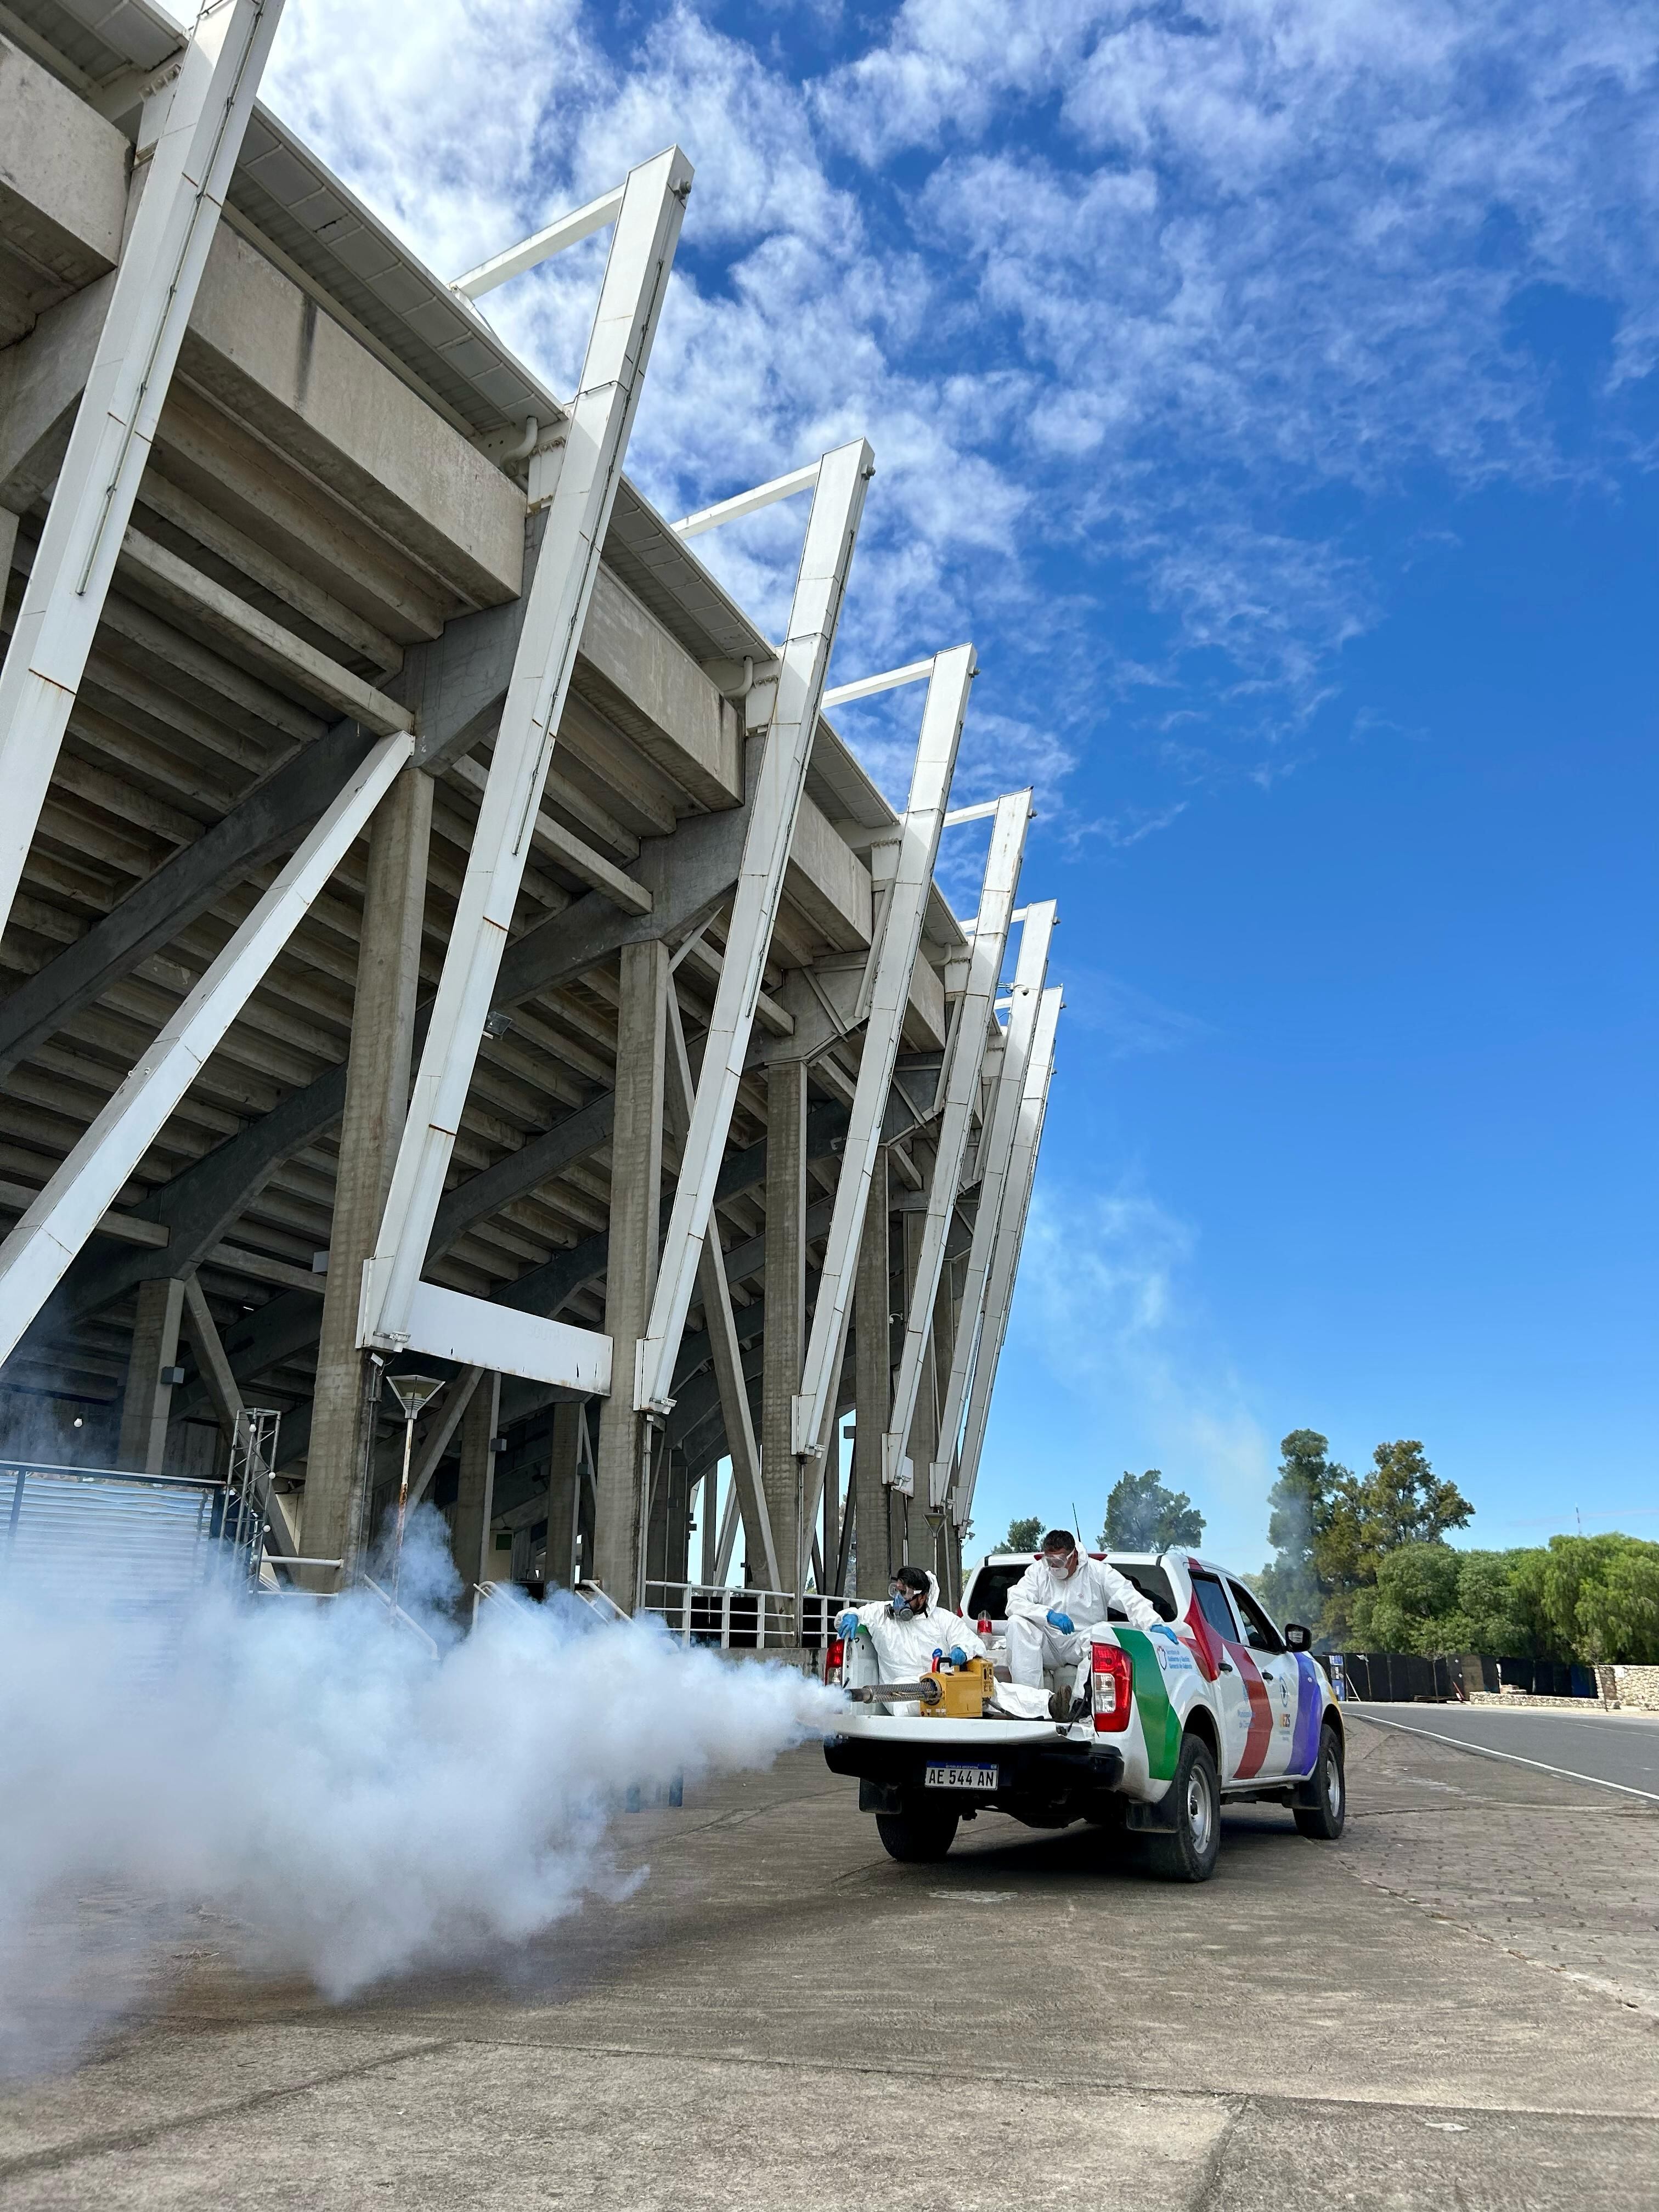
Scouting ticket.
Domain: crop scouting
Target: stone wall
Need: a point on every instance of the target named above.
(1624, 1689)
(1635, 1688)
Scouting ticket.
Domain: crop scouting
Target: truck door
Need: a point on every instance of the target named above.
(1279, 1678)
(1240, 1694)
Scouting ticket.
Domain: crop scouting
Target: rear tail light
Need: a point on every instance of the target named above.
(835, 1659)
(1109, 1681)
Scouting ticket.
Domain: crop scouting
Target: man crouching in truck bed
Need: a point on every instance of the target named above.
(911, 1627)
(1057, 1601)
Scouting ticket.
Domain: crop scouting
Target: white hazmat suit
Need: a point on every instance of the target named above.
(906, 1645)
(1082, 1598)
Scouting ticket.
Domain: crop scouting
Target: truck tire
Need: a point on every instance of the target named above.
(1325, 1820)
(917, 1837)
(1189, 1854)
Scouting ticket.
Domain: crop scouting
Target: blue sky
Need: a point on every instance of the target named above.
(1268, 388)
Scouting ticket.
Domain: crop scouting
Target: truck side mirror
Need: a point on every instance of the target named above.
(1296, 1637)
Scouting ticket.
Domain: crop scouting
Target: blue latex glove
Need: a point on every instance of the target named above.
(849, 1623)
(1062, 1622)
(958, 1657)
(1162, 1628)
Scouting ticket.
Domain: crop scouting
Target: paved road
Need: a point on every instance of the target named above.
(1619, 1747)
(1457, 2005)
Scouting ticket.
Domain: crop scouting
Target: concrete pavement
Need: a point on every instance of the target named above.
(1458, 2004)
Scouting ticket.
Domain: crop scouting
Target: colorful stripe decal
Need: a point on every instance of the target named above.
(1261, 1734)
(1309, 1712)
(1159, 1723)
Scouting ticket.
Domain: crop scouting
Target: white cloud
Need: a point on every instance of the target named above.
(1110, 292)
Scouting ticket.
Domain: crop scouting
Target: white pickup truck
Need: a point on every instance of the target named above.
(1160, 1729)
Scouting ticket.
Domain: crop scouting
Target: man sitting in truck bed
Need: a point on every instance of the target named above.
(911, 1627)
(1057, 1601)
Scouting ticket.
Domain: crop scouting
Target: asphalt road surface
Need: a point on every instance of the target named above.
(1457, 2005)
(1614, 1747)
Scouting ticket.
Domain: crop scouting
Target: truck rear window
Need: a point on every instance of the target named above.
(988, 1592)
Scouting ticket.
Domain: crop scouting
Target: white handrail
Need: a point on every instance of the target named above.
(761, 1619)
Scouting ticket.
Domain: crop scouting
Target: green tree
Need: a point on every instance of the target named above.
(1414, 1603)
(1299, 1505)
(1600, 1598)
(1593, 1598)
(1022, 1535)
(1331, 1528)
(1496, 1593)
(1143, 1515)
(1399, 1501)
(1619, 1611)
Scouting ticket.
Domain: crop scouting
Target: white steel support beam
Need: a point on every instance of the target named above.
(541, 246)
(35, 1256)
(630, 301)
(748, 502)
(996, 1150)
(893, 963)
(728, 1538)
(209, 104)
(891, 679)
(820, 586)
(1005, 1261)
(961, 1095)
(741, 1443)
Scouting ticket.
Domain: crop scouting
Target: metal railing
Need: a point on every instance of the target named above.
(147, 1541)
(744, 1620)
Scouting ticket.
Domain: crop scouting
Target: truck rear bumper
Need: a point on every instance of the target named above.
(1047, 1783)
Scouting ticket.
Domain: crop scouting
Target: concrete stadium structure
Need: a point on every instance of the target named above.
(442, 932)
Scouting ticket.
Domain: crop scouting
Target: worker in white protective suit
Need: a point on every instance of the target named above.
(1061, 1596)
(909, 1628)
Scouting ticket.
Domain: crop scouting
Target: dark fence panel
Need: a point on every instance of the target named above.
(1538, 1677)
(1401, 1677)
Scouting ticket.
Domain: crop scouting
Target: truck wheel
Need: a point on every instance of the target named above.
(917, 1837)
(1326, 1819)
(1189, 1855)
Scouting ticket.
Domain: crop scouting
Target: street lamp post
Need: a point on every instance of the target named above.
(413, 1392)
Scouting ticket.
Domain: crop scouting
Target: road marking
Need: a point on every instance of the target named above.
(974, 1896)
(1485, 1751)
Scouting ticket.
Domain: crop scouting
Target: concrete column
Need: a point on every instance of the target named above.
(563, 1493)
(475, 1495)
(150, 1364)
(584, 1504)
(785, 1309)
(338, 1472)
(872, 1387)
(631, 1267)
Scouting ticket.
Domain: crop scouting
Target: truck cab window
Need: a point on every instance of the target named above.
(1259, 1631)
(1212, 1604)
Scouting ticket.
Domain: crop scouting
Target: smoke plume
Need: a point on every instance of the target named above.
(343, 1798)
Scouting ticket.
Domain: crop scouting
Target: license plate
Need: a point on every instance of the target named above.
(941, 1776)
